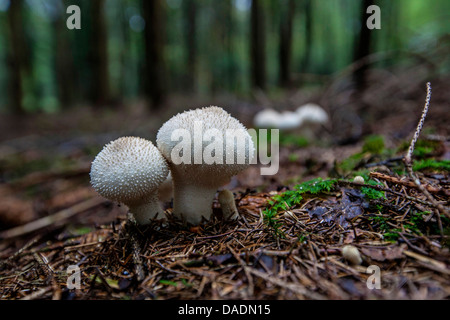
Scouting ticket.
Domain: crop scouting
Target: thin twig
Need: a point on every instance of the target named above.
(50, 220)
(136, 248)
(408, 183)
(409, 154)
(283, 284)
(18, 253)
(408, 157)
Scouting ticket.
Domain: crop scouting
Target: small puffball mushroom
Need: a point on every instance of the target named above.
(267, 118)
(289, 120)
(270, 118)
(129, 170)
(358, 180)
(202, 157)
(228, 205)
(351, 254)
(312, 113)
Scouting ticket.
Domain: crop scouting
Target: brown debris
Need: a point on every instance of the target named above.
(225, 260)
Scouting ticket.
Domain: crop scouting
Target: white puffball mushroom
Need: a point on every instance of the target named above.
(313, 113)
(202, 156)
(228, 205)
(351, 254)
(270, 118)
(289, 120)
(358, 180)
(130, 170)
(267, 118)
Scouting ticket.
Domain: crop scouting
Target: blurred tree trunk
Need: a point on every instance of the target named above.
(99, 54)
(155, 81)
(393, 25)
(228, 30)
(221, 56)
(18, 63)
(308, 16)
(66, 74)
(190, 28)
(287, 17)
(124, 53)
(258, 45)
(362, 46)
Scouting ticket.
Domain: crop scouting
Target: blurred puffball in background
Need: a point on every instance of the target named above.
(308, 113)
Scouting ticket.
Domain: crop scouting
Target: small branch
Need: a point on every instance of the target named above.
(53, 219)
(436, 204)
(283, 284)
(410, 184)
(136, 249)
(384, 162)
(18, 253)
(408, 157)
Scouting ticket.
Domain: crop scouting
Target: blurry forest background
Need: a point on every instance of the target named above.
(134, 63)
(156, 50)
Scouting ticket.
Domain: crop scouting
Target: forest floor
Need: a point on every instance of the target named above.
(288, 241)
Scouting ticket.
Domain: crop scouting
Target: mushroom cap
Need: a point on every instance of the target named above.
(351, 254)
(358, 179)
(312, 112)
(211, 118)
(128, 169)
(267, 118)
(289, 120)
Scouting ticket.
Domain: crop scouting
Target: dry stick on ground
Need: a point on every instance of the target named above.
(410, 184)
(298, 289)
(408, 158)
(50, 220)
(136, 248)
(18, 253)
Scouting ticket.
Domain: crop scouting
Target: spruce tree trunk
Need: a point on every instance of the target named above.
(362, 46)
(99, 54)
(155, 79)
(308, 17)
(258, 46)
(66, 74)
(190, 29)
(17, 56)
(285, 48)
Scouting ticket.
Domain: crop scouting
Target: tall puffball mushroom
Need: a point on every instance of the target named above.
(214, 147)
(130, 170)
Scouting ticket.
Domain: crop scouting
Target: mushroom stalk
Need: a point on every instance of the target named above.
(192, 202)
(228, 205)
(145, 212)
